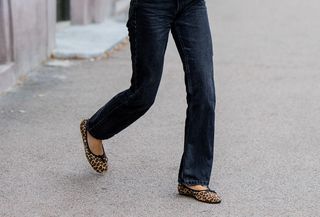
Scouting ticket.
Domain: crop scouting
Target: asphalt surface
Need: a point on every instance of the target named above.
(267, 127)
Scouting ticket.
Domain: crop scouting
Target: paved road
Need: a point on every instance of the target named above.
(267, 140)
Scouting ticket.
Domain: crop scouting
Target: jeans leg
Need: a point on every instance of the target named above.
(148, 26)
(192, 36)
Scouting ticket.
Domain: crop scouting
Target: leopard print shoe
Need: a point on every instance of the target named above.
(208, 195)
(98, 162)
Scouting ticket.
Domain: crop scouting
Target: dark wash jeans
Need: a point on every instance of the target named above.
(149, 24)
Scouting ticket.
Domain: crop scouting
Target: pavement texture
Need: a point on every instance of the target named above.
(89, 41)
(267, 127)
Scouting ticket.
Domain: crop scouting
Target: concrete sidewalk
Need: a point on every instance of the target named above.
(267, 141)
(90, 41)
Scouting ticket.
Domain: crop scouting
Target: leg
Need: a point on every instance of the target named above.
(148, 33)
(192, 36)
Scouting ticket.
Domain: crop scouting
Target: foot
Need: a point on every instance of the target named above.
(199, 192)
(98, 162)
(95, 145)
(197, 187)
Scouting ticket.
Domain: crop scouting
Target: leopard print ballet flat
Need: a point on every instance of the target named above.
(98, 162)
(208, 195)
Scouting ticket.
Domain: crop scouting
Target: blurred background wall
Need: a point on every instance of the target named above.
(27, 30)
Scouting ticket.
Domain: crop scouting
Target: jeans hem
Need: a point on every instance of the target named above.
(193, 182)
(92, 133)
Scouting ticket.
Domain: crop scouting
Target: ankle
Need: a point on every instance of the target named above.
(197, 187)
(93, 140)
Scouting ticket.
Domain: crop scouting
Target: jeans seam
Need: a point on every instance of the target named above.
(134, 70)
(135, 44)
(185, 60)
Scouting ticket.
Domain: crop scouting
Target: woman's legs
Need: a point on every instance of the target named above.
(149, 24)
(192, 35)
